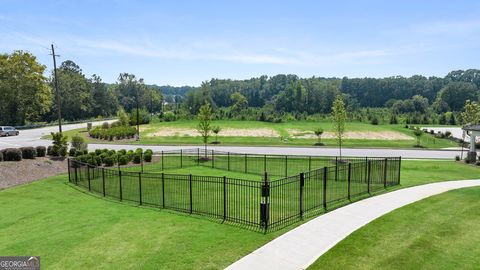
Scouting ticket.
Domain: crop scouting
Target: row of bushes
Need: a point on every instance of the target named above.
(108, 158)
(17, 154)
(112, 133)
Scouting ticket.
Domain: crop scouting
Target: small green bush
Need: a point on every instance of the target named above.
(92, 161)
(103, 156)
(50, 150)
(122, 151)
(139, 150)
(122, 160)
(41, 151)
(108, 161)
(72, 152)
(169, 116)
(111, 152)
(98, 160)
(143, 117)
(1, 156)
(118, 133)
(147, 157)
(457, 158)
(137, 159)
(60, 146)
(98, 152)
(28, 152)
(150, 151)
(12, 154)
(78, 142)
(105, 125)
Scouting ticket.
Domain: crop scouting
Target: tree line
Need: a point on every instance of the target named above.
(28, 96)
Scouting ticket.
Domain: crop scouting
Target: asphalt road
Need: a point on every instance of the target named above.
(32, 137)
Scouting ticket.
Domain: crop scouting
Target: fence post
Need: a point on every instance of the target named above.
(181, 158)
(264, 163)
(76, 176)
(118, 163)
(141, 160)
(245, 163)
(349, 178)
(103, 181)
(162, 161)
(325, 188)
(163, 190)
(302, 184)
(385, 173)
(120, 184)
(88, 177)
(69, 178)
(140, 188)
(309, 163)
(191, 201)
(399, 166)
(286, 166)
(198, 156)
(228, 161)
(336, 169)
(369, 167)
(264, 204)
(224, 198)
(213, 158)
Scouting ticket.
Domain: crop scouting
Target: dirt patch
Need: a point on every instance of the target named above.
(227, 132)
(366, 135)
(28, 170)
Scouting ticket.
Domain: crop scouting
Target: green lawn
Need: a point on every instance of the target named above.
(66, 226)
(285, 138)
(440, 232)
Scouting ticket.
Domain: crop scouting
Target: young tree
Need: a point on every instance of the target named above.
(204, 123)
(339, 115)
(318, 132)
(471, 113)
(418, 133)
(216, 130)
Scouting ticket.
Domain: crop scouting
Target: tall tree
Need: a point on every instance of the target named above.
(104, 101)
(339, 115)
(25, 93)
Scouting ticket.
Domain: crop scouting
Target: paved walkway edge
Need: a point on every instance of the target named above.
(300, 247)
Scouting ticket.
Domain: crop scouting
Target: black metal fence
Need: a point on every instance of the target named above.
(315, 184)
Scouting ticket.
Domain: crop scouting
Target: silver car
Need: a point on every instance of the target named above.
(8, 131)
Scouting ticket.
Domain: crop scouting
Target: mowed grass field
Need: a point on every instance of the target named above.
(68, 227)
(440, 232)
(283, 137)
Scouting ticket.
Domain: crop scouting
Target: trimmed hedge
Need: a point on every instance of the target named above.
(147, 157)
(12, 154)
(41, 151)
(113, 133)
(28, 152)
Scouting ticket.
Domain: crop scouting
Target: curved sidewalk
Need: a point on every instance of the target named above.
(300, 247)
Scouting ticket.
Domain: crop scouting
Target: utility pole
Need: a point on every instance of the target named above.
(56, 90)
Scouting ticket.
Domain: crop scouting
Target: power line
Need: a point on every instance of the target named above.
(59, 111)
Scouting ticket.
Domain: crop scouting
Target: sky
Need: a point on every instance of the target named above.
(187, 42)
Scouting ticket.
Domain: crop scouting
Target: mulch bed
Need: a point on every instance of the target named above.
(28, 170)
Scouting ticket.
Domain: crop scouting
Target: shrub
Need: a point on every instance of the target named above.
(120, 132)
(130, 155)
(108, 161)
(28, 152)
(78, 142)
(149, 151)
(1, 156)
(12, 154)
(72, 152)
(98, 152)
(105, 125)
(143, 117)
(111, 152)
(374, 121)
(169, 117)
(477, 163)
(103, 156)
(457, 158)
(92, 161)
(148, 157)
(122, 160)
(137, 158)
(41, 150)
(89, 126)
(448, 134)
(139, 150)
(50, 150)
(59, 144)
(98, 160)
(123, 117)
(83, 158)
(122, 151)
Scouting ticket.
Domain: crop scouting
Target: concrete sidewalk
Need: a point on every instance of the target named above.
(300, 247)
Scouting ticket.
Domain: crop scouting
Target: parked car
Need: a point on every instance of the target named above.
(8, 131)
